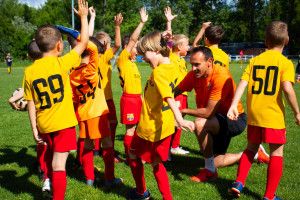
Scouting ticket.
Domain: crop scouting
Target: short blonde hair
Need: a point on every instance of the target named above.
(178, 40)
(276, 34)
(103, 37)
(153, 42)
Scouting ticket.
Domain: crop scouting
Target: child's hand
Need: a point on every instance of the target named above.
(168, 14)
(92, 12)
(185, 124)
(118, 19)
(83, 8)
(297, 117)
(36, 136)
(144, 15)
(206, 24)
(233, 113)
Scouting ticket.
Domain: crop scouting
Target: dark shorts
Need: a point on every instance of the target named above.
(228, 129)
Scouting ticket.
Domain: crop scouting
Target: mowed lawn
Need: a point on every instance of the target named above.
(19, 178)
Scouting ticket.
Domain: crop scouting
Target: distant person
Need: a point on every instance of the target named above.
(212, 37)
(241, 57)
(8, 60)
(49, 95)
(267, 76)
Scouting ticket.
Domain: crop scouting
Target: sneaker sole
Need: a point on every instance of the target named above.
(234, 192)
(197, 180)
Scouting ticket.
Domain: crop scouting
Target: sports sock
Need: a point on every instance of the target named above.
(108, 158)
(137, 170)
(162, 180)
(40, 153)
(113, 127)
(59, 184)
(210, 164)
(127, 142)
(274, 175)
(245, 165)
(97, 144)
(80, 148)
(176, 138)
(88, 164)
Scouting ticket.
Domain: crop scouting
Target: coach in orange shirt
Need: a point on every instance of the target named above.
(214, 89)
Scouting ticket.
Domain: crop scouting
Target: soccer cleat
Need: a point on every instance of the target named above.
(204, 176)
(113, 183)
(274, 198)
(46, 185)
(134, 195)
(262, 156)
(236, 189)
(178, 151)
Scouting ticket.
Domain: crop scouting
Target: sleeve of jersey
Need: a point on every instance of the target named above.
(27, 89)
(123, 57)
(162, 84)
(247, 72)
(70, 60)
(92, 68)
(109, 54)
(187, 83)
(288, 73)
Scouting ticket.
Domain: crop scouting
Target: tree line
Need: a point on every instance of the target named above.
(243, 20)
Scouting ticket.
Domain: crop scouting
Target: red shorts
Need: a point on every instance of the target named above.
(112, 115)
(62, 140)
(149, 151)
(94, 128)
(183, 101)
(130, 108)
(258, 135)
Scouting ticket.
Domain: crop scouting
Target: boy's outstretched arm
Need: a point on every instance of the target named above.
(182, 123)
(82, 12)
(136, 33)
(233, 110)
(92, 20)
(118, 19)
(32, 118)
(292, 99)
(169, 17)
(201, 33)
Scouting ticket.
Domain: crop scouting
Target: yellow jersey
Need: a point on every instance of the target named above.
(181, 66)
(129, 74)
(220, 57)
(157, 119)
(47, 83)
(105, 70)
(88, 97)
(264, 75)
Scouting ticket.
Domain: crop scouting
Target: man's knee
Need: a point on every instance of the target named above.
(199, 125)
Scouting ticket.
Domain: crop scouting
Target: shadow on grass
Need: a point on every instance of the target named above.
(11, 180)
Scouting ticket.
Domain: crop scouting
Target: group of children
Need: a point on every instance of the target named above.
(63, 91)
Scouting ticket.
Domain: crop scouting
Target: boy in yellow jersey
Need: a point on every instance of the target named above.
(152, 142)
(48, 92)
(93, 122)
(131, 100)
(180, 47)
(212, 37)
(106, 70)
(267, 75)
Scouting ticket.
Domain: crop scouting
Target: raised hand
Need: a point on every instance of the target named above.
(92, 12)
(206, 24)
(118, 19)
(168, 14)
(144, 15)
(83, 8)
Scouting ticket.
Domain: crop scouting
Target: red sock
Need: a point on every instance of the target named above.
(40, 154)
(176, 138)
(137, 170)
(97, 144)
(127, 142)
(88, 164)
(80, 148)
(162, 180)
(59, 184)
(245, 165)
(274, 175)
(108, 158)
(113, 127)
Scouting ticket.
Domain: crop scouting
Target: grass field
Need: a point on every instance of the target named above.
(19, 179)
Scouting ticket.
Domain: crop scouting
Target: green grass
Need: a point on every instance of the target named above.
(19, 180)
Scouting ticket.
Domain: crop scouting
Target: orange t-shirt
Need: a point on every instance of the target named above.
(88, 96)
(106, 69)
(218, 86)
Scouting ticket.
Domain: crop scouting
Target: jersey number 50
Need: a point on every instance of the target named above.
(263, 84)
(44, 96)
